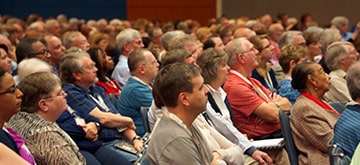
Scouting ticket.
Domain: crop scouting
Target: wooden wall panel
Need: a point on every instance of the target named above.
(172, 10)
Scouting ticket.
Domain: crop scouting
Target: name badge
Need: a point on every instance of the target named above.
(79, 121)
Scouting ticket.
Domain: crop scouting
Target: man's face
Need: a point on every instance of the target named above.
(41, 52)
(198, 98)
(151, 65)
(81, 42)
(56, 49)
(299, 40)
(135, 44)
(219, 45)
(88, 74)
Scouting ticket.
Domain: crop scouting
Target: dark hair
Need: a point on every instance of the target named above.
(209, 43)
(299, 75)
(311, 38)
(173, 79)
(2, 46)
(94, 55)
(24, 48)
(2, 73)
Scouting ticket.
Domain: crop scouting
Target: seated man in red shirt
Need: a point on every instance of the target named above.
(254, 108)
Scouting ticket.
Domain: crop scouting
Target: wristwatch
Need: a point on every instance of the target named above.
(136, 137)
(97, 125)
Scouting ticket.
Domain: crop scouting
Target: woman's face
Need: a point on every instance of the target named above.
(314, 49)
(10, 97)
(5, 61)
(321, 78)
(103, 44)
(106, 62)
(266, 53)
(223, 71)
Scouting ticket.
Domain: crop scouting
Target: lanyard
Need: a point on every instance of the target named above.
(100, 102)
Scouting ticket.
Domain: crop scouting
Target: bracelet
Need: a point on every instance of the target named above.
(136, 137)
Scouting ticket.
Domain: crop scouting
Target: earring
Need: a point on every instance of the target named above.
(316, 88)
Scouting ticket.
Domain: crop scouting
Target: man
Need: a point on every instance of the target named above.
(32, 48)
(75, 39)
(254, 107)
(214, 41)
(339, 57)
(90, 103)
(127, 41)
(244, 32)
(137, 91)
(327, 37)
(346, 133)
(274, 33)
(185, 42)
(181, 89)
(52, 26)
(56, 49)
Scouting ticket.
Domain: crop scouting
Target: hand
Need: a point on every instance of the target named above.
(217, 159)
(91, 131)
(262, 157)
(138, 144)
(129, 122)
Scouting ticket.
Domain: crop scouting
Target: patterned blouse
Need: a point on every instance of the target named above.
(48, 143)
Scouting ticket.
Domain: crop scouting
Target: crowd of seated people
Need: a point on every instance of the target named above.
(85, 82)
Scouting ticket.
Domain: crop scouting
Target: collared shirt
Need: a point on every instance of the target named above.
(338, 91)
(121, 71)
(79, 99)
(219, 96)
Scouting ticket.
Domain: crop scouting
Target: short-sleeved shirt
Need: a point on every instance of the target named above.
(79, 99)
(244, 100)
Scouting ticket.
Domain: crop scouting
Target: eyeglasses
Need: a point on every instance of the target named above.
(10, 90)
(42, 52)
(267, 46)
(60, 93)
(251, 50)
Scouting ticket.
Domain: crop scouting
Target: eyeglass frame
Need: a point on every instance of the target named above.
(10, 90)
(43, 52)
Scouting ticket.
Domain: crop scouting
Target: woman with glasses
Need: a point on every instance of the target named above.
(43, 102)
(263, 72)
(10, 102)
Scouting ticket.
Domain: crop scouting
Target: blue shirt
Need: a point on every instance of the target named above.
(134, 95)
(286, 90)
(79, 100)
(346, 131)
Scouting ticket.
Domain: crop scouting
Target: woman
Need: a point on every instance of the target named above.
(5, 61)
(43, 102)
(313, 44)
(312, 120)
(99, 39)
(105, 64)
(263, 72)
(10, 102)
(289, 57)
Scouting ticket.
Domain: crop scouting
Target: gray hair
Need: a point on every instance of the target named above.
(126, 36)
(327, 37)
(287, 37)
(353, 80)
(314, 29)
(339, 20)
(233, 48)
(336, 52)
(181, 42)
(32, 65)
(166, 37)
(70, 63)
(68, 38)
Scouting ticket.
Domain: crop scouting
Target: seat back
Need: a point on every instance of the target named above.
(337, 106)
(290, 147)
(144, 115)
(336, 155)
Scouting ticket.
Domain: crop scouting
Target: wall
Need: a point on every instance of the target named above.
(89, 9)
(172, 10)
(322, 10)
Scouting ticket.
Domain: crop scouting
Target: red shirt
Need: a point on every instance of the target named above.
(110, 87)
(244, 100)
